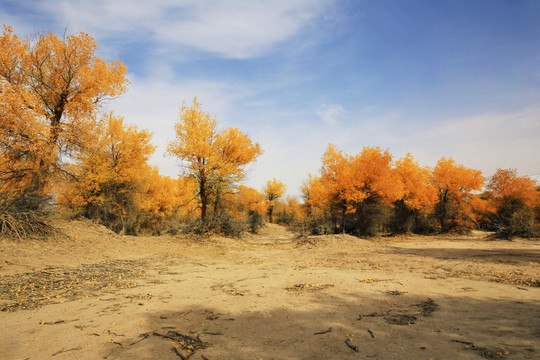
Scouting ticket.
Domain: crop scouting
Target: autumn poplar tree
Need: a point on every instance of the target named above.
(273, 191)
(108, 182)
(216, 160)
(419, 196)
(318, 197)
(50, 90)
(455, 184)
(514, 198)
(360, 187)
(251, 202)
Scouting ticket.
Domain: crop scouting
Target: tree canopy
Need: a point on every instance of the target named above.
(51, 89)
(216, 160)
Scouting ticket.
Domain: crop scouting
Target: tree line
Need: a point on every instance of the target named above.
(59, 151)
(369, 192)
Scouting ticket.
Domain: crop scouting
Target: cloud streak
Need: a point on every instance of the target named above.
(229, 29)
(331, 113)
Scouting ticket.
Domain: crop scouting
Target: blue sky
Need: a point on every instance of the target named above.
(449, 78)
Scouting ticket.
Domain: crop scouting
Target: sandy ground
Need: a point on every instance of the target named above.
(101, 296)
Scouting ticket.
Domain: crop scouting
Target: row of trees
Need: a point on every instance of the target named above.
(59, 150)
(369, 192)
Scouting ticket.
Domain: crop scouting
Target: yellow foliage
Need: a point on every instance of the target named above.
(459, 180)
(455, 184)
(274, 190)
(249, 199)
(354, 178)
(216, 160)
(118, 156)
(50, 91)
(289, 208)
(506, 183)
(418, 192)
(315, 194)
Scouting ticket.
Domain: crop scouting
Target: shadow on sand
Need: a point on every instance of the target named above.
(507, 256)
(457, 327)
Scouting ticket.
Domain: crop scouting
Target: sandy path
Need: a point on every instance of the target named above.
(448, 298)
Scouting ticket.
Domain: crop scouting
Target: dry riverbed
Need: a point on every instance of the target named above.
(97, 295)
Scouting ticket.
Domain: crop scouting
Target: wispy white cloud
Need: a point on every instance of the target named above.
(229, 29)
(21, 25)
(331, 113)
(488, 141)
(239, 29)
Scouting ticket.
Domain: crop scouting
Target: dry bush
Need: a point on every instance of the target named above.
(23, 216)
(218, 224)
(24, 224)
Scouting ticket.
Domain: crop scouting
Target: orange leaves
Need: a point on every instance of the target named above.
(162, 196)
(126, 147)
(364, 192)
(118, 155)
(235, 150)
(274, 189)
(50, 91)
(69, 77)
(313, 191)
(516, 199)
(205, 151)
(454, 184)
(249, 199)
(506, 183)
(454, 178)
(237, 146)
(195, 136)
(12, 51)
(375, 167)
(116, 185)
(418, 193)
(120, 152)
(65, 74)
(216, 160)
(355, 178)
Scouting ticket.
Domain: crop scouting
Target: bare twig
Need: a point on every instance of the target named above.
(63, 350)
(144, 336)
(178, 353)
(52, 322)
(466, 343)
(350, 345)
(323, 332)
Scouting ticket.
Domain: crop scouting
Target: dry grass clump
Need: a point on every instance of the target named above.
(24, 224)
(23, 215)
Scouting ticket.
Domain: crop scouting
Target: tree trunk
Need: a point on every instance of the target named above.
(204, 198)
(41, 176)
(270, 214)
